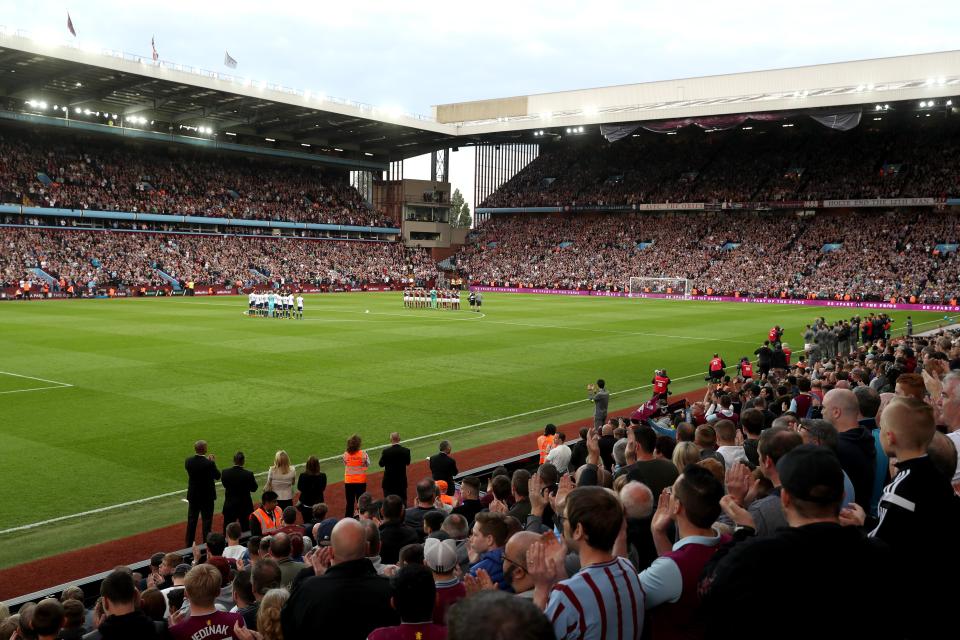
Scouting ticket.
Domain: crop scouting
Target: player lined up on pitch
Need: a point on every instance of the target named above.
(275, 305)
(418, 298)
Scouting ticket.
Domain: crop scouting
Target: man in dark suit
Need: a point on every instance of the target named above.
(202, 474)
(443, 467)
(394, 460)
(238, 483)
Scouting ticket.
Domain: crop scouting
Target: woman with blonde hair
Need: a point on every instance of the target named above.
(280, 479)
(355, 463)
(685, 453)
(268, 618)
(311, 484)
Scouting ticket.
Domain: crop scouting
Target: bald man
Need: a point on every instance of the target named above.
(515, 563)
(346, 599)
(855, 445)
(919, 512)
(638, 505)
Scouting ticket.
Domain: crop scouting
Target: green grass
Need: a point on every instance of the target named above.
(151, 376)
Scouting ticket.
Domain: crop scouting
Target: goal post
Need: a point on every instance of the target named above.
(671, 286)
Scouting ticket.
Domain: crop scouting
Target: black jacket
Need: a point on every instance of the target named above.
(839, 564)
(395, 459)
(349, 601)
(469, 510)
(858, 457)
(125, 627)
(202, 476)
(311, 488)
(764, 356)
(238, 485)
(578, 456)
(443, 467)
(393, 537)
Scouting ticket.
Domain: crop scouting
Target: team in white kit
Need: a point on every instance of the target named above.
(275, 305)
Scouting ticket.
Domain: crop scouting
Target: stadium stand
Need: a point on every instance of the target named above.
(910, 158)
(878, 255)
(764, 503)
(38, 168)
(96, 259)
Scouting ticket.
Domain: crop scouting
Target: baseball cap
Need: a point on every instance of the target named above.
(326, 530)
(440, 555)
(812, 473)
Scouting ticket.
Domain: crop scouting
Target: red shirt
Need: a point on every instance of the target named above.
(716, 364)
(773, 335)
(448, 594)
(213, 626)
(660, 384)
(746, 370)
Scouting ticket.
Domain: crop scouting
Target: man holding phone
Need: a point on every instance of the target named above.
(600, 397)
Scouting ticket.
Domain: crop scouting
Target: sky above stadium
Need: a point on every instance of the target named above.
(419, 53)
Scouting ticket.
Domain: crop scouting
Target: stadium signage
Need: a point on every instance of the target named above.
(781, 301)
(884, 202)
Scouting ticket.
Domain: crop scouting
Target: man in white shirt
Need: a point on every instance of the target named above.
(560, 455)
(251, 304)
(300, 307)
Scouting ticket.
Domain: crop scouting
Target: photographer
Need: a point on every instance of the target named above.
(716, 368)
(661, 385)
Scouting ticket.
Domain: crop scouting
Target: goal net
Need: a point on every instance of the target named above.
(672, 286)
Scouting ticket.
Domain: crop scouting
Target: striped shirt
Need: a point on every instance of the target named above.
(600, 602)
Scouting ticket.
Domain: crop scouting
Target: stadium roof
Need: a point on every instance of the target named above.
(864, 83)
(178, 98)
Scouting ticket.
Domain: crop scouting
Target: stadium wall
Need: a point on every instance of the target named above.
(781, 301)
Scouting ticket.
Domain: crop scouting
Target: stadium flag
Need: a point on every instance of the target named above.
(70, 28)
(229, 61)
(153, 46)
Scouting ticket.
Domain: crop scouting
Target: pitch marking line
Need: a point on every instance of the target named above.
(57, 384)
(170, 494)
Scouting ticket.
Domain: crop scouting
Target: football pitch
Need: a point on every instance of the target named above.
(101, 400)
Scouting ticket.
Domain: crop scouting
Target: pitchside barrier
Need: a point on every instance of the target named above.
(852, 304)
(91, 584)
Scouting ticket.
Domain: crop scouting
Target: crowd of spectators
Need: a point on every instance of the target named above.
(917, 158)
(38, 169)
(835, 478)
(878, 255)
(96, 259)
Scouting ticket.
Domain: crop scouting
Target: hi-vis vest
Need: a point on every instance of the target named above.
(356, 468)
(716, 364)
(544, 444)
(746, 370)
(268, 522)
